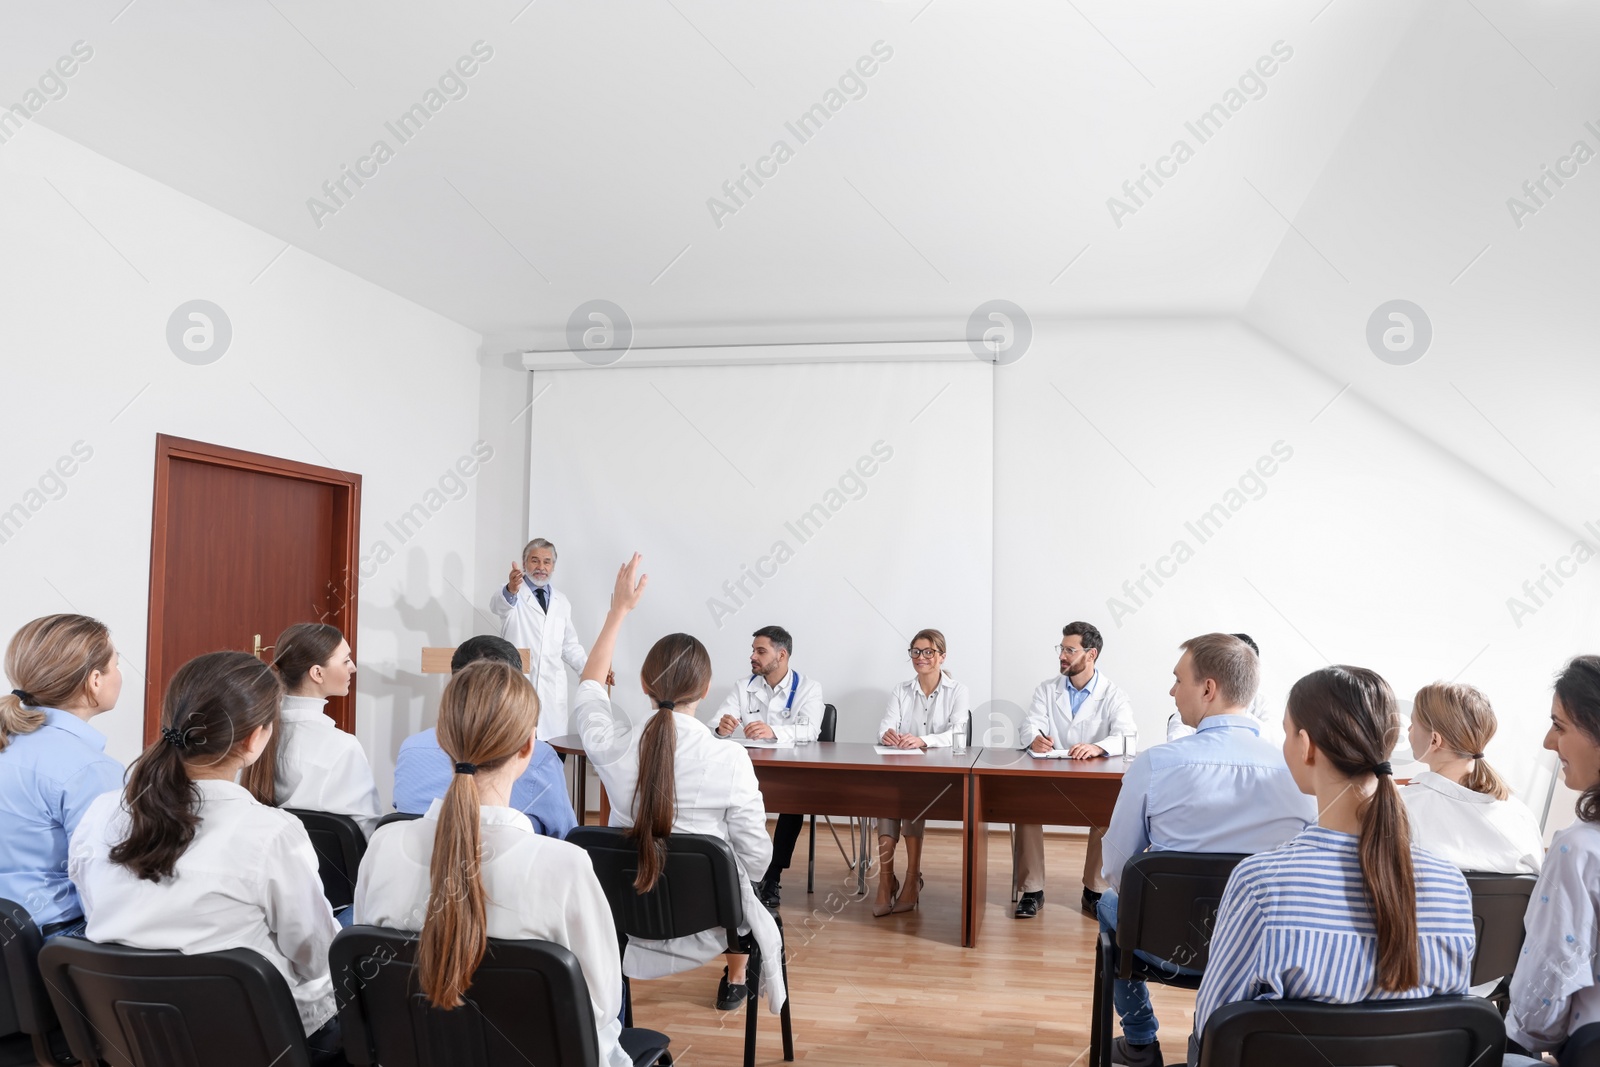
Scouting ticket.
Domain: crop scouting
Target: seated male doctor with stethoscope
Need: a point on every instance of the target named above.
(774, 704)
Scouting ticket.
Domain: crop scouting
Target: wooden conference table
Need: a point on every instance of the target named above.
(976, 788)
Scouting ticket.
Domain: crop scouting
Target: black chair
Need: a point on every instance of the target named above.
(699, 890)
(1582, 1048)
(1446, 1031)
(1167, 907)
(394, 816)
(132, 1007)
(29, 1032)
(528, 1004)
(340, 844)
(1499, 901)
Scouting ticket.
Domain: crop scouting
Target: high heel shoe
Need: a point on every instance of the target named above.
(899, 908)
(894, 895)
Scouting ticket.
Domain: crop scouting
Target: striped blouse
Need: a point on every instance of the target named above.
(1294, 924)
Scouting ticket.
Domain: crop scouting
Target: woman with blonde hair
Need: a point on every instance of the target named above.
(1460, 809)
(473, 868)
(674, 776)
(53, 764)
(925, 711)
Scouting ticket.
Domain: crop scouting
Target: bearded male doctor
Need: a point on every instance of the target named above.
(535, 616)
(1083, 713)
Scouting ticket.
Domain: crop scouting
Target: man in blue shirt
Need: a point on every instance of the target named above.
(422, 770)
(1220, 789)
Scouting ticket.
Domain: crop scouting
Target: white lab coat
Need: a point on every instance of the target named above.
(717, 794)
(1473, 831)
(534, 887)
(934, 718)
(322, 768)
(1105, 717)
(551, 641)
(753, 700)
(247, 880)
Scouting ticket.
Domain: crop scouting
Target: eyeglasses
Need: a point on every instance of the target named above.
(1062, 650)
(923, 653)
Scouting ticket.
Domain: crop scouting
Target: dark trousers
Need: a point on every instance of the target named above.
(783, 842)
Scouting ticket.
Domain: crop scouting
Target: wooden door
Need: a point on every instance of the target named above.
(245, 544)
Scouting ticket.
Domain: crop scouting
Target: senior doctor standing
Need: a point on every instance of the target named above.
(535, 616)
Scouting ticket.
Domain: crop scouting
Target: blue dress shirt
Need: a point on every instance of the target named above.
(1221, 789)
(1076, 696)
(47, 780)
(422, 772)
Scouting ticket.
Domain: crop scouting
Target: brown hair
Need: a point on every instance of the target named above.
(1227, 661)
(933, 637)
(676, 671)
(488, 712)
(1463, 719)
(50, 659)
(1351, 715)
(301, 647)
(212, 705)
(1578, 689)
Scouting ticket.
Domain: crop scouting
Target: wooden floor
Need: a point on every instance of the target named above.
(901, 989)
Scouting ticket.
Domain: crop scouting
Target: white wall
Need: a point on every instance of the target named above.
(323, 368)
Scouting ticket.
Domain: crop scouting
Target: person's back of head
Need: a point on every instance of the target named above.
(485, 646)
(676, 671)
(299, 648)
(1247, 639)
(1351, 716)
(213, 707)
(1465, 722)
(50, 662)
(487, 717)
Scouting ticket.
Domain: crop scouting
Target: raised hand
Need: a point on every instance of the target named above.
(630, 586)
(514, 583)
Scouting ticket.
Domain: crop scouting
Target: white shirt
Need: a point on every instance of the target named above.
(1471, 830)
(551, 641)
(535, 887)
(797, 720)
(322, 768)
(934, 717)
(247, 880)
(717, 794)
(1554, 990)
(1105, 717)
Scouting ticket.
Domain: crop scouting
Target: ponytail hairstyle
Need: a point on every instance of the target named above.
(301, 647)
(212, 706)
(50, 660)
(1351, 715)
(488, 713)
(677, 671)
(1578, 689)
(1462, 717)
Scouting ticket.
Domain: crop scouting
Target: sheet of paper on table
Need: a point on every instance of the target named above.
(1054, 753)
(754, 742)
(885, 750)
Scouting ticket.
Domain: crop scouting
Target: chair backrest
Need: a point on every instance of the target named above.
(24, 1004)
(340, 844)
(1445, 1031)
(698, 891)
(1499, 901)
(830, 723)
(1167, 906)
(528, 1003)
(134, 1007)
(1583, 1047)
(394, 816)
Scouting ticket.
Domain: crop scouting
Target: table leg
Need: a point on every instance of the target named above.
(605, 807)
(975, 863)
(582, 761)
(861, 860)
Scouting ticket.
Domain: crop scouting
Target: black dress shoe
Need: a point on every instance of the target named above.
(1028, 904)
(1091, 902)
(731, 996)
(768, 891)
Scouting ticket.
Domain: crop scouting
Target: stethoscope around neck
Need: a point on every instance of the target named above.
(794, 686)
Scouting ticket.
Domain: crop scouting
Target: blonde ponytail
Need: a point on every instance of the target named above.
(49, 662)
